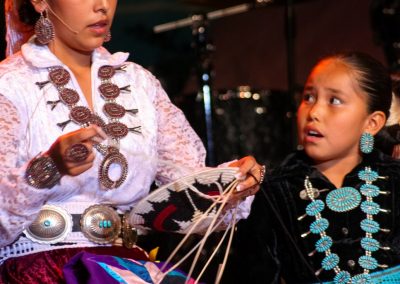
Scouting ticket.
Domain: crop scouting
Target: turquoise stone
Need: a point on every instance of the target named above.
(315, 207)
(370, 226)
(330, 261)
(370, 244)
(319, 226)
(361, 279)
(368, 262)
(343, 277)
(370, 207)
(368, 175)
(323, 244)
(369, 190)
(343, 199)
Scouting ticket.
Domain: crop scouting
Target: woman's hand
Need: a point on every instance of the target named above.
(251, 175)
(73, 152)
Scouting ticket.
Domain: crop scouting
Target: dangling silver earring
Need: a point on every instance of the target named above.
(44, 29)
(107, 38)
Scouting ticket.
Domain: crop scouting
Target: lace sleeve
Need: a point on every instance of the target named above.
(19, 202)
(180, 150)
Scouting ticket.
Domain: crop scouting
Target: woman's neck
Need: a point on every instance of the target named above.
(80, 65)
(336, 170)
(74, 59)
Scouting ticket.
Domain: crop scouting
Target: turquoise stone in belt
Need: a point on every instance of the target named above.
(343, 199)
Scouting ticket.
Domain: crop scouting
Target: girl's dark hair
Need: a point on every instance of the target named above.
(27, 13)
(373, 78)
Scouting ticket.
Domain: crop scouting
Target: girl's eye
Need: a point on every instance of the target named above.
(307, 97)
(335, 101)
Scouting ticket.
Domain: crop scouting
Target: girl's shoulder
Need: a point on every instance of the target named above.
(295, 164)
(386, 165)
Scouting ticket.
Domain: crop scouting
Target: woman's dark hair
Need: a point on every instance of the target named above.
(373, 78)
(27, 13)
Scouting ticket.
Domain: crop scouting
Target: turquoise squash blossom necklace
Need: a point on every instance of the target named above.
(343, 200)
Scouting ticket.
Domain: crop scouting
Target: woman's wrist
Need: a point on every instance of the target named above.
(42, 172)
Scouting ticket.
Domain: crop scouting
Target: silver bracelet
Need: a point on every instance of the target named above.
(42, 172)
(262, 174)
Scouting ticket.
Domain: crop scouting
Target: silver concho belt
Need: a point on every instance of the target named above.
(100, 224)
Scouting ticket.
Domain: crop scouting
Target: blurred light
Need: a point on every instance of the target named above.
(289, 114)
(260, 110)
(219, 111)
(256, 96)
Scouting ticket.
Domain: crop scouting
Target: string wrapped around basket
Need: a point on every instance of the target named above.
(194, 204)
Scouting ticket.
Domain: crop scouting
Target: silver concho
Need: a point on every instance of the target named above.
(303, 194)
(101, 224)
(51, 226)
(80, 114)
(113, 157)
(129, 234)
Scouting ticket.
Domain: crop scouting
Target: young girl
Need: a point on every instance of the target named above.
(330, 212)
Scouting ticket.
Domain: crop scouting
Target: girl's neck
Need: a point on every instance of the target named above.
(336, 170)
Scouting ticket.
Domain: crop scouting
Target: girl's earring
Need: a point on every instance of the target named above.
(44, 29)
(366, 143)
(107, 38)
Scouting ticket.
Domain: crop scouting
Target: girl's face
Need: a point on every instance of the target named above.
(89, 20)
(333, 113)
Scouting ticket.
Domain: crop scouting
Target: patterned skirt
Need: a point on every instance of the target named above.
(47, 267)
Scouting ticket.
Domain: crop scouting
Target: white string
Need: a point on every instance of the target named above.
(228, 247)
(176, 265)
(204, 216)
(212, 228)
(208, 232)
(230, 228)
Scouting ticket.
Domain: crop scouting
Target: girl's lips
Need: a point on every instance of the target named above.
(312, 135)
(312, 139)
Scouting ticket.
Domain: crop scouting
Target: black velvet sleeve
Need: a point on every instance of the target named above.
(254, 253)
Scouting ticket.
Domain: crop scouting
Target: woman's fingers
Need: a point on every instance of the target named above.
(93, 132)
(250, 175)
(73, 152)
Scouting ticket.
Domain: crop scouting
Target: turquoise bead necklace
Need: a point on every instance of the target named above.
(343, 200)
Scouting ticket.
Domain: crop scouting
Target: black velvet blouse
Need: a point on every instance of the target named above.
(269, 246)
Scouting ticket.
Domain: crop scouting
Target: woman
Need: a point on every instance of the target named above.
(85, 133)
(330, 213)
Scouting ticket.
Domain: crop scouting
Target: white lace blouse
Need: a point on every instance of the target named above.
(166, 149)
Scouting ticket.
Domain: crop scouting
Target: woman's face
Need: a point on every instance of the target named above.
(333, 113)
(81, 24)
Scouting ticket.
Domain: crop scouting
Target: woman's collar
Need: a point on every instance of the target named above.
(41, 57)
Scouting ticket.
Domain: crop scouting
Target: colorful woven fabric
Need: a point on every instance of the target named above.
(106, 269)
(47, 267)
